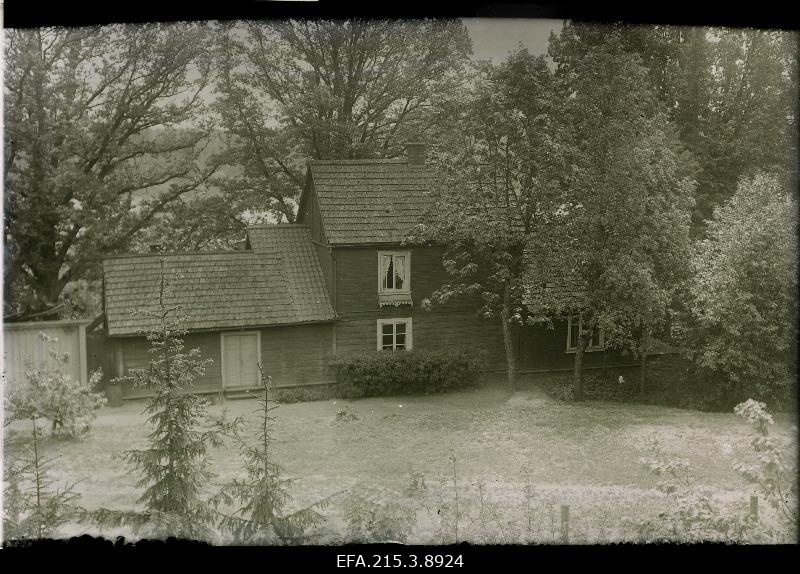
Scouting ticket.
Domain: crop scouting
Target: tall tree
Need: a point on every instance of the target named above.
(289, 91)
(103, 131)
(498, 186)
(628, 200)
(744, 291)
(752, 118)
(732, 94)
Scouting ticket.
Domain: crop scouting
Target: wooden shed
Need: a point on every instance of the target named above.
(24, 347)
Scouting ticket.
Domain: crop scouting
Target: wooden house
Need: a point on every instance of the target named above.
(337, 282)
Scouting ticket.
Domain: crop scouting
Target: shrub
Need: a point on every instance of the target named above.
(32, 506)
(49, 392)
(770, 471)
(377, 516)
(743, 294)
(288, 396)
(385, 373)
(697, 515)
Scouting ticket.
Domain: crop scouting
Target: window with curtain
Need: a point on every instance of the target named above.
(394, 277)
(394, 271)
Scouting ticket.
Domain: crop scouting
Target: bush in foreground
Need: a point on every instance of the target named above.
(49, 392)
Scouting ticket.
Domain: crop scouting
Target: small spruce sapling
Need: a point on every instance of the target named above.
(32, 508)
(262, 496)
(174, 468)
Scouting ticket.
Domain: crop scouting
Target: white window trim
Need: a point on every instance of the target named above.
(409, 331)
(407, 287)
(222, 351)
(589, 348)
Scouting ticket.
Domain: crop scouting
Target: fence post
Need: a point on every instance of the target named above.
(565, 524)
(754, 507)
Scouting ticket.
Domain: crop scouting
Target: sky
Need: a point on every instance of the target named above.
(494, 38)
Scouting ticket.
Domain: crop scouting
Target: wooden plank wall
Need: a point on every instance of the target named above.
(297, 354)
(451, 326)
(544, 348)
(291, 355)
(23, 347)
(132, 353)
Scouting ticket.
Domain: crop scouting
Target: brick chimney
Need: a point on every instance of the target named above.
(415, 152)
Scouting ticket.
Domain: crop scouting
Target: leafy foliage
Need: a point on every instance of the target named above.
(175, 466)
(628, 197)
(497, 188)
(49, 392)
(742, 296)
(32, 508)
(261, 516)
(386, 373)
(697, 515)
(377, 516)
(103, 131)
(731, 93)
(288, 91)
(771, 471)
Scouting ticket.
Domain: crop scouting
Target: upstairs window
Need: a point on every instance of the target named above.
(395, 271)
(574, 327)
(394, 277)
(394, 334)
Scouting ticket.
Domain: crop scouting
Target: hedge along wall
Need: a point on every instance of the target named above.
(379, 373)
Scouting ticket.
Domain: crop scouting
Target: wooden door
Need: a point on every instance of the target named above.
(240, 358)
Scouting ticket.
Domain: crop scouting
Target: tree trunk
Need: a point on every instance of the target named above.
(508, 340)
(577, 383)
(642, 374)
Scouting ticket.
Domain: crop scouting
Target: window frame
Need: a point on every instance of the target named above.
(409, 344)
(589, 348)
(407, 286)
(222, 336)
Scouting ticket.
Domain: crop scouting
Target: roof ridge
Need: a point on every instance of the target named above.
(357, 161)
(275, 225)
(180, 253)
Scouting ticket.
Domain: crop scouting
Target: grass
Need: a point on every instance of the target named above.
(585, 455)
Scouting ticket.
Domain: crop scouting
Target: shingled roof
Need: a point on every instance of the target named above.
(277, 281)
(370, 201)
(553, 284)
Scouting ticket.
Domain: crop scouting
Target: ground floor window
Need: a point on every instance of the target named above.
(574, 327)
(394, 334)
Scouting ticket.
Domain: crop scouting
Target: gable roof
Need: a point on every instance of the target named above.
(372, 200)
(276, 282)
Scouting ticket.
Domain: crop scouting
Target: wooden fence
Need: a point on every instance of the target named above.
(24, 348)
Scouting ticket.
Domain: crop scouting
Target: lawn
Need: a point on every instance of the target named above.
(584, 455)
